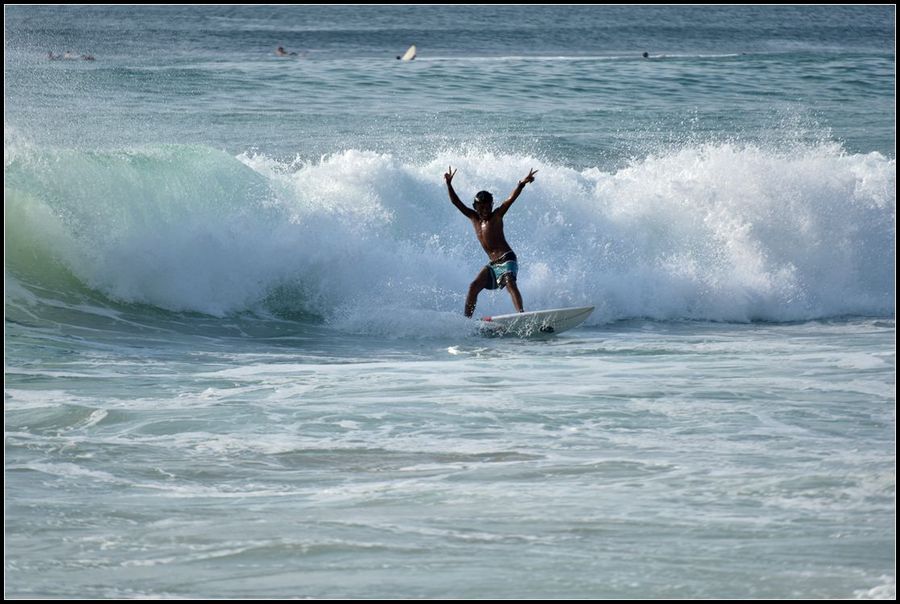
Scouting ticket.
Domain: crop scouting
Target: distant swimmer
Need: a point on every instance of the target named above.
(488, 223)
(281, 52)
(69, 56)
(409, 55)
(646, 55)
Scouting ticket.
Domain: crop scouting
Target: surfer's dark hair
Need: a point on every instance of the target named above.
(484, 197)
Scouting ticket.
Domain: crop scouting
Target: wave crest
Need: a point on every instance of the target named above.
(720, 232)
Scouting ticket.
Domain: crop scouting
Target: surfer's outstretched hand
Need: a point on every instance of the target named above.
(529, 178)
(449, 174)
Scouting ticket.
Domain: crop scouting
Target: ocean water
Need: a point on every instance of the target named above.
(236, 364)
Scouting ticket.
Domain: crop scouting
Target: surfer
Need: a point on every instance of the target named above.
(503, 267)
(409, 55)
(69, 56)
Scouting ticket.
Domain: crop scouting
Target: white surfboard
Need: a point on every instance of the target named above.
(535, 324)
(410, 54)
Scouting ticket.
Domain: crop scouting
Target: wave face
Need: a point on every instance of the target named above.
(722, 232)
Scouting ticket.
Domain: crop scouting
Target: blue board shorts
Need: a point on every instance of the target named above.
(503, 268)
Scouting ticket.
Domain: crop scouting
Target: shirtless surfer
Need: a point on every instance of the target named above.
(488, 223)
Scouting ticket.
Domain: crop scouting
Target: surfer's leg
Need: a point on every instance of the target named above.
(514, 293)
(484, 280)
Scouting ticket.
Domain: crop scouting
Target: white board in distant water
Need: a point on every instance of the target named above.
(410, 54)
(535, 324)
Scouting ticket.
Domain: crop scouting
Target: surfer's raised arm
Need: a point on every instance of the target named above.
(448, 178)
(515, 194)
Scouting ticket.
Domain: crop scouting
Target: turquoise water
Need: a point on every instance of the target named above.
(236, 361)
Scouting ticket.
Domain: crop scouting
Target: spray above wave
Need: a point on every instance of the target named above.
(711, 232)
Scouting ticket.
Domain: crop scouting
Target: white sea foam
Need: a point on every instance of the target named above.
(886, 591)
(714, 232)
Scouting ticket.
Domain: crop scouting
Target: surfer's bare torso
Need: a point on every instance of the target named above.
(490, 234)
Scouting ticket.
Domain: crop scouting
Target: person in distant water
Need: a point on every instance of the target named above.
(409, 55)
(646, 55)
(69, 56)
(488, 222)
(281, 52)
